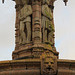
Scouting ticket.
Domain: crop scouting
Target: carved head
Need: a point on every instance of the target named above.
(49, 62)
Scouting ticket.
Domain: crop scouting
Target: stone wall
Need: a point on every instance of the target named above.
(33, 66)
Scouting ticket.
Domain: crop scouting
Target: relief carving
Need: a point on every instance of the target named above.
(48, 63)
(47, 24)
(25, 24)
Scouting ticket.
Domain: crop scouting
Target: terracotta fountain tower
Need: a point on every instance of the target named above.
(35, 52)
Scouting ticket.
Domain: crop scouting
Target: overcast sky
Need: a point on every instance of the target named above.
(64, 19)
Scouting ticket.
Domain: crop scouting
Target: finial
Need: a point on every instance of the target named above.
(65, 2)
(2, 1)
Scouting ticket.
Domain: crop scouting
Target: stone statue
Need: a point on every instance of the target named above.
(25, 23)
(47, 22)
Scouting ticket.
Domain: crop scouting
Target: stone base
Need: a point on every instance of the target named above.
(31, 51)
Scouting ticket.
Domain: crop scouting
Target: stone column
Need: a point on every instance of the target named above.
(36, 22)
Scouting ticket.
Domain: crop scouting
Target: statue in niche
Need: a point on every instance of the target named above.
(47, 22)
(25, 22)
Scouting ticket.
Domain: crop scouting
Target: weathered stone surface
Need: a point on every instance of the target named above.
(35, 42)
(46, 11)
(33, 66)
(25, 30)
(66, 67)
(25, 11)
(48, 63)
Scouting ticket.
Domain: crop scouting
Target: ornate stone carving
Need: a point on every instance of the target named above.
(25, 24)
(35, 25)
(41, 52)
(47, 24)
(48, 63)
(36, 29)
